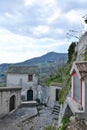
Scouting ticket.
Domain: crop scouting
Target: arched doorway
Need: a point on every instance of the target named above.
(12, 103)
(30, 95)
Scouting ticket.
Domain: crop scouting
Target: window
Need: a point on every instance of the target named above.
(30, 77)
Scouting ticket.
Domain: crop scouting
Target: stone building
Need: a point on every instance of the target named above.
(27, 78)
(81, 47)
(77, 101)
(54, 93)
(10, 99)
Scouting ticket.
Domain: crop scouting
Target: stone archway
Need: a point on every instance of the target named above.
(30, 95)
(12, 103)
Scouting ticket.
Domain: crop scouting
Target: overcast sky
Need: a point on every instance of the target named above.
(31, 28)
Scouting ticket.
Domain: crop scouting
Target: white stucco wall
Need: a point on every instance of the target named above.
(53, 95)
(21, 80)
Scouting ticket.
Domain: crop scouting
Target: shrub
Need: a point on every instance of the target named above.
(65, 122)
(38, 100)
(51, 128)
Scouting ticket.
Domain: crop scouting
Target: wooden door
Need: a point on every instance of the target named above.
(30, 95)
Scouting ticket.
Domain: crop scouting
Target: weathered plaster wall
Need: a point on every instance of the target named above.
(5, 95)
(16, 80)
(80, 48)
(21, 80)
(53, 95)
(43, 93)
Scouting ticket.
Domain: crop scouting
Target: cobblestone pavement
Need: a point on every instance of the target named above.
(26, 119)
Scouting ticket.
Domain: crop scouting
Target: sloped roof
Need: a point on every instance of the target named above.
(56, 84)
(23, 70)
(80, 68)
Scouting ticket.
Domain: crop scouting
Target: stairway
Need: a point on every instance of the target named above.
(56, 110)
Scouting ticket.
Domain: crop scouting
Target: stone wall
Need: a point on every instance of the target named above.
(43, 93)
(80, 48)
(21, 80)
(5, 95)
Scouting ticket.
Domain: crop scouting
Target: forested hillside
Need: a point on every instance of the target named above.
(47, 64)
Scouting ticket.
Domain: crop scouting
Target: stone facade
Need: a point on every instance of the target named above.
(81, 47)
(25, 77)
(10, 99)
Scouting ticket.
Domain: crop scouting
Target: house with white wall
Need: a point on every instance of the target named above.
(27, 78)
(54, 93)
(77, 100)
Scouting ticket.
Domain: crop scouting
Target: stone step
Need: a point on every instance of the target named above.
(56, 113)
(57, 106)
(55, 116)
(56, 110)
(28, 104)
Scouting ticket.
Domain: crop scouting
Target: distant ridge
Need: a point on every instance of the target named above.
(47, 64)
(49, 57)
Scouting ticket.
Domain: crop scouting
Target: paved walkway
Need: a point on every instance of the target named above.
(27, 119)
(11, 121)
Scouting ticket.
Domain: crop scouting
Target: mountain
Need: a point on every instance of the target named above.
(49, 57)
(48, 64)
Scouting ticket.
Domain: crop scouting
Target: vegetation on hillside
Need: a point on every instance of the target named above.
(65, 123)
(62, 75)
(71, 50)
(66, 75)
(47, 65)
(85, 55)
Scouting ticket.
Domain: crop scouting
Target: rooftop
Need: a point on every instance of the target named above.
(56, 84)
(9, 88)
(81, 69)
(23, 70)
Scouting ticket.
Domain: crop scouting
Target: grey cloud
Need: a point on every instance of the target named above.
(71, 4)
(27, 18)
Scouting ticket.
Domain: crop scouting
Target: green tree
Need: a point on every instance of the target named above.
(71, 51)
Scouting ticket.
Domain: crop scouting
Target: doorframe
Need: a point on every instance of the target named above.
(14, 102)
(56, 92)
(28, 93)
